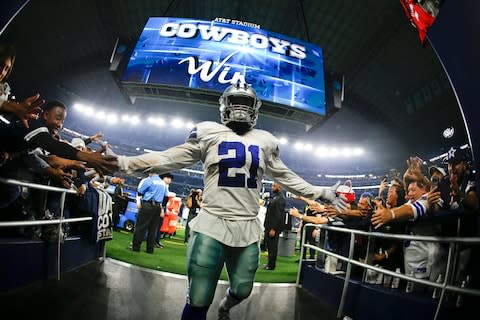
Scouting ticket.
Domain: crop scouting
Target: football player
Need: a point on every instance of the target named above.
(235, 157)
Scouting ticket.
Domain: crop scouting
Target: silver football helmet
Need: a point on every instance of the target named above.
(239, 103)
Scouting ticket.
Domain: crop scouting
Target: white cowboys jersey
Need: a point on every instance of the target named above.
(233, 166)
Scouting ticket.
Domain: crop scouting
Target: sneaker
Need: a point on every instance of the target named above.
(223, 314)
(159, 245)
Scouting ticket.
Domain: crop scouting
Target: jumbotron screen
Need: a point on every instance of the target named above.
(209, 55)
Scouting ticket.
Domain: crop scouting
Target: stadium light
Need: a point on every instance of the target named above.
(333, 152)
(321, 151)
(177, 123)
(358, 151)
(298, 145)
(89, 111)
(78, 106)
(159, 122)
(346, 152)
(135, 120)
(151, 120)
(283, 140)
(112, 118)
(100, 115)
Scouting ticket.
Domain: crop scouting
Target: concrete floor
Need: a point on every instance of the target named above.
(112, 289)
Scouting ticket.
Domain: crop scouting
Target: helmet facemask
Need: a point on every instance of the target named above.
(239, 103)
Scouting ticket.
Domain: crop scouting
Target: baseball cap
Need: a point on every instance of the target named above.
(78, 142)
(457, 155)
(437, 168)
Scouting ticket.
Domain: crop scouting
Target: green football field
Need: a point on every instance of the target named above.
(172, 258)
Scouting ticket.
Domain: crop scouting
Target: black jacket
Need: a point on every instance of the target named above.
(275, 216)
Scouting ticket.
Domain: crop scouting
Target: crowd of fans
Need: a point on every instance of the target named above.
(32, 150)
(440, 200)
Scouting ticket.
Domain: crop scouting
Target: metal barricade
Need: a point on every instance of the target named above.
(453, 241)
(58, 222)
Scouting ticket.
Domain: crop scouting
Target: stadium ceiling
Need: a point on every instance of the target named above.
(389, 76)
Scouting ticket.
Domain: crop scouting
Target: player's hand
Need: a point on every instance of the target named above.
(317, 207)
(332, 192)
(102, 163)
(340, 203)
(330, 211)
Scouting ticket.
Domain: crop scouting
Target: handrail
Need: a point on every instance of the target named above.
(42, 222)
(443, 286)
(35, 185)
(399, 236)
(58, 222)
(475, 292)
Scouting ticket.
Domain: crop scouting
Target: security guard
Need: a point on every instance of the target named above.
(152, 191)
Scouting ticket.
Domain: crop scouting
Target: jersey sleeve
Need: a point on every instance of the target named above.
(175, 158)
(419, 208)
(279, 172)
(41, 137)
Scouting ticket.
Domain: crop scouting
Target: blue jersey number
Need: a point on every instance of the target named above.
(237, 162)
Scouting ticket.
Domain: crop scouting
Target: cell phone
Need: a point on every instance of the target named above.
(378, 199)
(371, 205)
(435, 181)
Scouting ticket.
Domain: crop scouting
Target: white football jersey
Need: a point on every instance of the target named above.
(234, 166)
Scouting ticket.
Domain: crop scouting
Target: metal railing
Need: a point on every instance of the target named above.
(445, 286)
(58, 221)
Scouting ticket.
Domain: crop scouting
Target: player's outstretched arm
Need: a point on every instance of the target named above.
(175, 158)
(279, 172)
